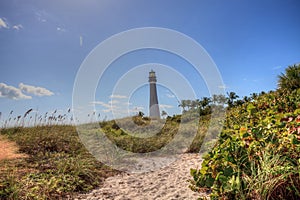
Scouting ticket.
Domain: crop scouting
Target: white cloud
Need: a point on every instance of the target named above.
(113, 101)
(38, 91)
(117, 96)
(11, 92)
(223, 87)
(105, 105)
(106, 110)
(60, 29)
(170, 95)
(18, 27)
(3, 23)
(138, 108)
(41, 15)
(80, 40)
(165, 106)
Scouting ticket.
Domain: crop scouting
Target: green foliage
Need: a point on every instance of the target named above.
(257, 153)
(8, 185)
(150, 140)
(142, 135)
(274, 177)
(231, 97)
(290, 80)
(57, 165)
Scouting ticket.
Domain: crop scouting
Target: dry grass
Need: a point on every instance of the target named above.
(9, 150)
(56, 166)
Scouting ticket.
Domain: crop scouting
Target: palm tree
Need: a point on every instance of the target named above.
(189, 103)
(254, 95)
(164, 113)
(246, 99)
(205, 102)
(231, 97)
(221, 99)
(183, 104)
(290, 80)
(204, 106)
(215, 98)
(140, 114)
(194, 104)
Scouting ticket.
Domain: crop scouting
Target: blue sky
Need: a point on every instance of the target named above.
(44, 43)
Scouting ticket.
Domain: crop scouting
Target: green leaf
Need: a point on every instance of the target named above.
(251, 109)
(228, 171)
(209, 181)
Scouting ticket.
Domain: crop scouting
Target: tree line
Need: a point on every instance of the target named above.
(289, 80)
(205, 104)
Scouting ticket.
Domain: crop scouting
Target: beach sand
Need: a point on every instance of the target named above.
(170, 182)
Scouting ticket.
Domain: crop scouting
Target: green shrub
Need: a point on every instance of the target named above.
(257, 154)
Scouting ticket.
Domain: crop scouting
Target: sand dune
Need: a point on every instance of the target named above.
(167, 183)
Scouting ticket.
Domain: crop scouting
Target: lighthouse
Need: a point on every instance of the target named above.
(153, 104)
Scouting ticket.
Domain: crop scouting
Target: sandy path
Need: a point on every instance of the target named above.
(8, 150)
(167, 183)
